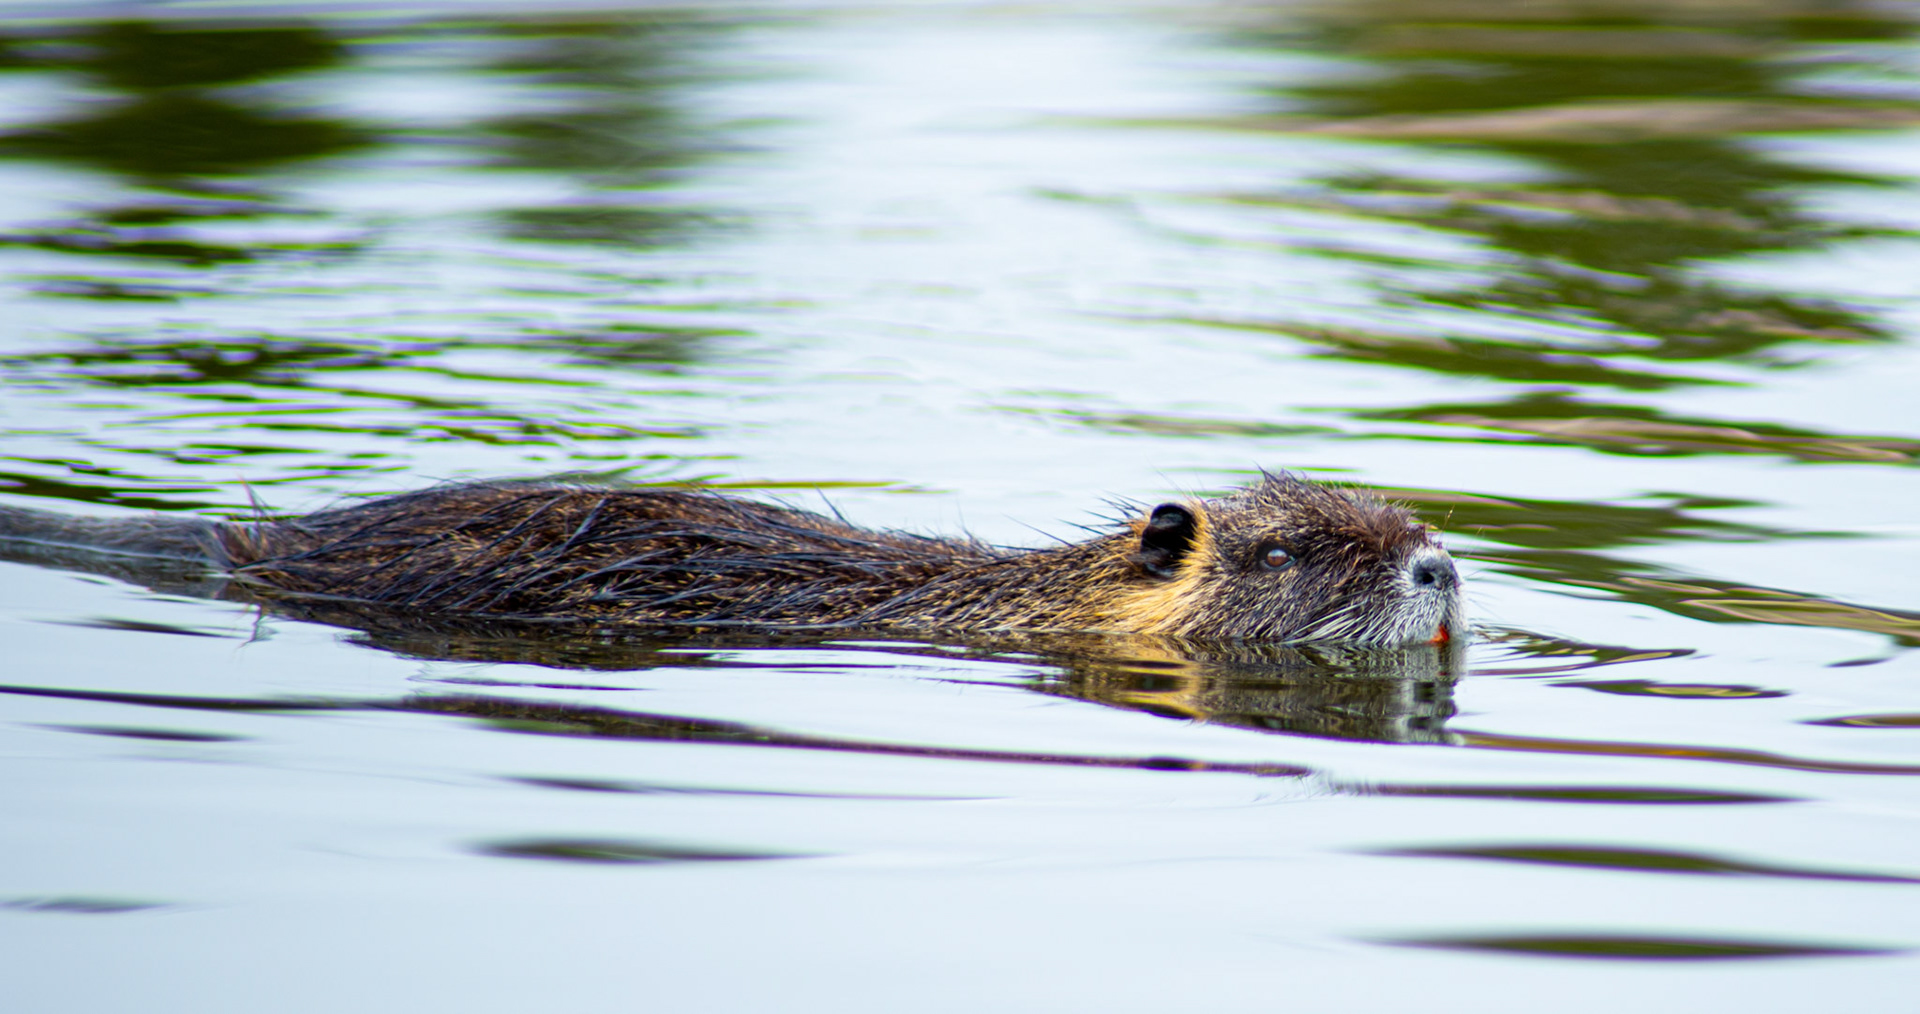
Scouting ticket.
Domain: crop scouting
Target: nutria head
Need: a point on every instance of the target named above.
(1288, 560)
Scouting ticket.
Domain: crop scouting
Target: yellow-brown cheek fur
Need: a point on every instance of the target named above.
(1164, 605)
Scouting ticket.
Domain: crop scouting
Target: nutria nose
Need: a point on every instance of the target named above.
(1433, 568)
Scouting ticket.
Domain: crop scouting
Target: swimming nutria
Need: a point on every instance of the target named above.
(1281, 560)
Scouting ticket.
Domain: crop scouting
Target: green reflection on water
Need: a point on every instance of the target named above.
(177, 131)
(1633, 121)
(1552, 418)
(198, 122)
(1626, 947)
(169, 122)
(195, 152)
(615, 133)
(1603, 857)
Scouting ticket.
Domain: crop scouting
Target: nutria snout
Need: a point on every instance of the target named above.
(1281, 560)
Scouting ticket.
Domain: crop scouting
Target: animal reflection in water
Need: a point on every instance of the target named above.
(1396, 695)
(1383, 694)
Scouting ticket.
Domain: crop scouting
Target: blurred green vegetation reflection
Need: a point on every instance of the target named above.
(1634, 122)
(193, 120)
(208, 138)
(169, 121)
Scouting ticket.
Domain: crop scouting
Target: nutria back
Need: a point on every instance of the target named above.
(530, 551)
(1282, 560)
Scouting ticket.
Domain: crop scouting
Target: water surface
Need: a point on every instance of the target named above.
(1618, 298)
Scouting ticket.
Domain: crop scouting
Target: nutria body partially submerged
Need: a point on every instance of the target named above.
(1283, 560)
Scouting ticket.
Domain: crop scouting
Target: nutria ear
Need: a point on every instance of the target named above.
(1166, 539)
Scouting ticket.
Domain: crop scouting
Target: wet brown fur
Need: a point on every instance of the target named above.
(669, 558)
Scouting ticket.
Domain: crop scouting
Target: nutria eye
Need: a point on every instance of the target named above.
(1276, 558)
